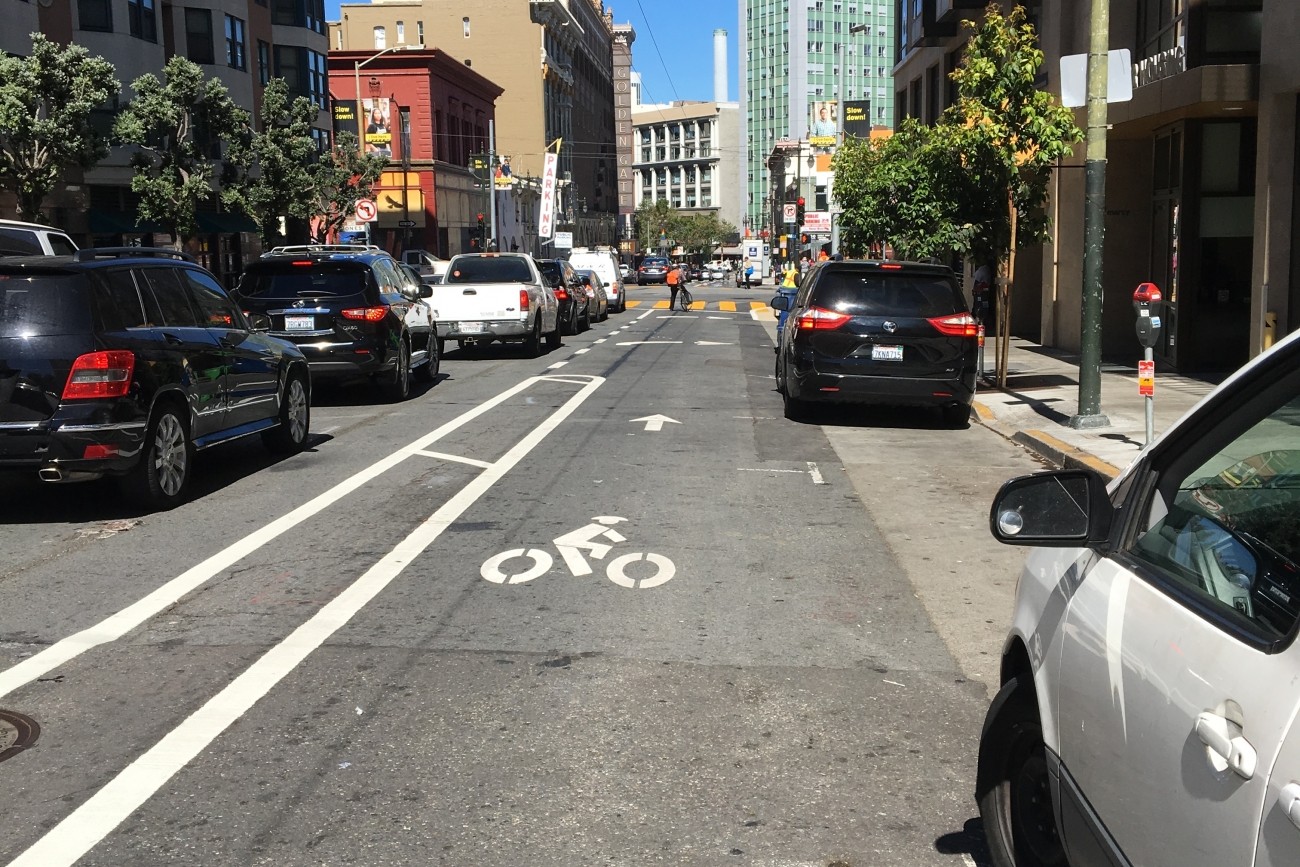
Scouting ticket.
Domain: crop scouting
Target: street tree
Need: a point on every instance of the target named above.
(178, 125)
(701, 233)
(47, 101)
(1028, 130)
(341, 177)
(276, 164)
(925, 192)
(656, 224)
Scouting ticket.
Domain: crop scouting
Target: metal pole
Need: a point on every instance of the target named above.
(492, 181)
(1094, 224)
(361, 128)
(1151, 401)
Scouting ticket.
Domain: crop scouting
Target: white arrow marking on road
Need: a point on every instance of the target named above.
(656, 422)
(710, 343)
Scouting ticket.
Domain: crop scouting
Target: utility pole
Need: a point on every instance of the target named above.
(492, 182)
(1094, 223)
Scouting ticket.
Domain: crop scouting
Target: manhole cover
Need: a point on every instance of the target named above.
(17, 733)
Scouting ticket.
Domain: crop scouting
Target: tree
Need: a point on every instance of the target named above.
(656, 224)
(47, 100)
(700, 233)
(178, 125)
(1027, 129)
(340, 177)
(278, 163)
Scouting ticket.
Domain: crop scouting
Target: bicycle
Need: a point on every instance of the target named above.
(571, 545)
(686, 298)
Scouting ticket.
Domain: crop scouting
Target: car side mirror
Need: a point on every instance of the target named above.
(426, 290)
(1056, 509)
(259, 322)
(781, 302)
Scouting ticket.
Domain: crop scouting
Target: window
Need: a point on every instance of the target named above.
(95, 15)
(143, 21)
(215, 307)
(419, 32)
(168, 293)
(264, 62)
(465, 26)
(300, 13)
(1223, 527)
(401, 33)
(317, 78)
(198, 35)
(381, 38)
(235, 43)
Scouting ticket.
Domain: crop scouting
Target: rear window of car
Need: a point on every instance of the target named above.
(489, 269)
(591, 278)
(653, 262)
(876, 293)
(552, 271)
(43, 305)
(270, 280)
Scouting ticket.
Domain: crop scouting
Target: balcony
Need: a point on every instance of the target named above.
(925, 30)
(953, 11)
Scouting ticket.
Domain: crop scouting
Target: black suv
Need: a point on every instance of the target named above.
(577, 307)
(352, 309)
(879, 333)
(125, 361)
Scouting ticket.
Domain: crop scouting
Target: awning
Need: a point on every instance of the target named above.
(224, 222)
(101, 221)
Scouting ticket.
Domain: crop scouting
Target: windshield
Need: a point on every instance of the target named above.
(490, 269)
(317, 280)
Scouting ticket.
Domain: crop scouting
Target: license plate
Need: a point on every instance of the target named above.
(886, 353)
(299, 323)
(471, 328)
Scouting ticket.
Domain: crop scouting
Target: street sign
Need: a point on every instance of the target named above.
(817, 222)
(789, 211)
(564, 240)
(1147, 378)
(1074, 78)
(406, 224)
(366, 211)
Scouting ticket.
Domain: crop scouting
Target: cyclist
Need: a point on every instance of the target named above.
(673, 279)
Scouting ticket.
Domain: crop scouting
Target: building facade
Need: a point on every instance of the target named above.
(1200, 180)
(553, 60)
(797, 58)
(684, 156)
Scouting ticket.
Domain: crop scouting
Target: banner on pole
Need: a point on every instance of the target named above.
(546, 219)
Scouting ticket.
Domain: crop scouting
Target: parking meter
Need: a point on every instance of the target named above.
(1147, 302)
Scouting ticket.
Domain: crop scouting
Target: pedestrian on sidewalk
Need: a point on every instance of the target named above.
(748, 268)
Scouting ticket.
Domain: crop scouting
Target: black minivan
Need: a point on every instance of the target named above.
(869, 332)
(126, 361)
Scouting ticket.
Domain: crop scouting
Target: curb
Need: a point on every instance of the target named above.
(1047, 447)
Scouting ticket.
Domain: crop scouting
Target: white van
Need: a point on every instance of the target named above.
(33, 239)
(605, 264)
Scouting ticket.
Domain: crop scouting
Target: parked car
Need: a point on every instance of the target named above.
(694, 272)
(868, 332)
(1151, 677)
(124, 362)
(717, 271)
(428, 265)
(33, 239)
(605, 263)
(654, 269)
(625, 271)
(576, 303)
(600, 297)
(497, 297)
(352, 309)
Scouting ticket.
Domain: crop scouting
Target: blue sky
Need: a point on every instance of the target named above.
(674, 44)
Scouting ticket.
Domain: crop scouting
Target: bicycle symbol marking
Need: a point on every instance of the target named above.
(572, 546)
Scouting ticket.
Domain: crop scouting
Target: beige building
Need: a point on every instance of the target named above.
(684, 155)
(1200, 180)
(553, 58)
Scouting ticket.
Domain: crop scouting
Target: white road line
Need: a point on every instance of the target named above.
(116, 625)
(601, 340)
(87, 825)
(767, 470)
(443, 456)
(815, 473)
(644, 315)
(583, 351)
(557, 365)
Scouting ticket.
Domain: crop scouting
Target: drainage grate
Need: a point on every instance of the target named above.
(17, 733)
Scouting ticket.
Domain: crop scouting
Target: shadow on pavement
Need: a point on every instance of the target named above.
(968, 841)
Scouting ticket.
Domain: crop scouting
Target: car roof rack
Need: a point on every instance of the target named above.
(299, 249)
(89, 254)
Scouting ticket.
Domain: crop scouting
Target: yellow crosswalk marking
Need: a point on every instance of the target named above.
(697, 305)
(757, 305)
(634, 304)
(661, 305)
(727, 306)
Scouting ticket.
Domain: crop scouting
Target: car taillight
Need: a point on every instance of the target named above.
(365, 314)
(821, 319)
(523, 300)
(561, 294)
(100, 375)
(957, 325)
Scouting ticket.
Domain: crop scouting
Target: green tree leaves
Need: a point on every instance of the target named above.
(339, 179)
(47, 100)
(696, 233)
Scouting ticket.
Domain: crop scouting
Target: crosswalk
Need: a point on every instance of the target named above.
(721, 306)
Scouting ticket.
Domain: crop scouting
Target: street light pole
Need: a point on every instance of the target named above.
(846, 51)
(356, 71)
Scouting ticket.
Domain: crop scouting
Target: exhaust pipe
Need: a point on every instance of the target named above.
(54, 475)
(50, 474)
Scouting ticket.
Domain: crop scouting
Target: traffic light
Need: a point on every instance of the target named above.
(798, 212)
(482, 231)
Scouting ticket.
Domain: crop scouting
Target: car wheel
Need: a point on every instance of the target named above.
(586, 318)
(1014, 787)
(957, 416)
(442, 347)
(290, 435)
(553, 337)
(428, 371)
(397, 385)
(533, 345)
(158, 481)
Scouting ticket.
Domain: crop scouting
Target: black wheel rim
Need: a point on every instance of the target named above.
(1033, 818)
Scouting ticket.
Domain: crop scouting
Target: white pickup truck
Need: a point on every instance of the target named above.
(496, 296)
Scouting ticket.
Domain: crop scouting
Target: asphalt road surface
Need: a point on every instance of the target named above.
(606, 606)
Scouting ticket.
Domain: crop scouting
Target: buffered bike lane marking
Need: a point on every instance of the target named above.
(87, 825)
(116, 625)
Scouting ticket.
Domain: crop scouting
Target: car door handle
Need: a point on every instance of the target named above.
(1289, 800)
(1235, 751)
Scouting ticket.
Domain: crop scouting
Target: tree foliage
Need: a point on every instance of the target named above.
(178, 125)
(277, 163)
(340, 177)
(695, 232)
(46, 105)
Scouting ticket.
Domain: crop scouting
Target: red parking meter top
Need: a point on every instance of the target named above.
(1147, 293)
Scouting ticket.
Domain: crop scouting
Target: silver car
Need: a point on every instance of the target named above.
(1151, 678)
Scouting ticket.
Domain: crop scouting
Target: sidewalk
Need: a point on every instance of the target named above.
(1042, 393)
